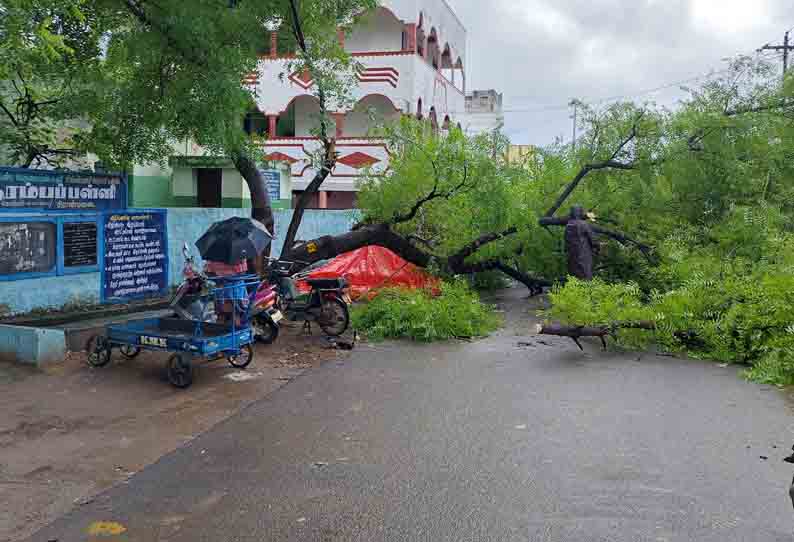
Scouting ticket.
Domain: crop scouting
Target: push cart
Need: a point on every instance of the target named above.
(187, 339)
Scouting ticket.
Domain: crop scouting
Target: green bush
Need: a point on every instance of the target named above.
(416, 314)
(735, 313)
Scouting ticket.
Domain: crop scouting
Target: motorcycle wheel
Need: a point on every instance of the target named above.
(334, 316)
(265, 329)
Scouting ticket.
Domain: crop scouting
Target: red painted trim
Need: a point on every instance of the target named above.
(380, 71)
(376, 80)
(357, 54)
(383, 53)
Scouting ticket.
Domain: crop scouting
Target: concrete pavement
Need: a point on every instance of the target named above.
(479, 441)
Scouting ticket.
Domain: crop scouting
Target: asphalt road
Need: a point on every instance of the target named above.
(480, 441)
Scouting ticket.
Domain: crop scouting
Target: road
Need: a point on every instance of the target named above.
(475, 441)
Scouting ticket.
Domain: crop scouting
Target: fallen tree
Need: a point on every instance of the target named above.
(448, 204)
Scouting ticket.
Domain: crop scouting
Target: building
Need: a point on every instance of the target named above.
(194, 178)
(412, 58)
(483, 112)
(517, 154)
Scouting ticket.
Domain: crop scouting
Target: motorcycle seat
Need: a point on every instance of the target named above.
(327, 284)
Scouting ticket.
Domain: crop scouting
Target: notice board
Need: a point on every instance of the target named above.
(135, 255)
(79, 244)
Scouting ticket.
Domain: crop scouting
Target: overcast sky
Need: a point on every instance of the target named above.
(542, 53)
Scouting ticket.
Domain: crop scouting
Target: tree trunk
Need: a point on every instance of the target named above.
(381, 235)
(260, 199)
(303, 200)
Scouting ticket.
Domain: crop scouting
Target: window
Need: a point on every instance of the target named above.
(27, 247)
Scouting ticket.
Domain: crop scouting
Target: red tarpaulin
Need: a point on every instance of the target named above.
(369, 268)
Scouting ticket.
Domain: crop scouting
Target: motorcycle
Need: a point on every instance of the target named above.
(191, 300)
(326, 303)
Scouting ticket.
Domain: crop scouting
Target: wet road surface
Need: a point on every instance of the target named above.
(481, 441)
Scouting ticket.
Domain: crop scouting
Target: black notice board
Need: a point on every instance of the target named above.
(135, 255)
(79, 244)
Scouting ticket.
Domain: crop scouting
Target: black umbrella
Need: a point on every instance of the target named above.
(234, 240)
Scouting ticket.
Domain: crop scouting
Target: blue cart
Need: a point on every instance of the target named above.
(187, 339)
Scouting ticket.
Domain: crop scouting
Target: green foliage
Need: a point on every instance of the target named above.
(711, 188)
(125, 80)
(49, 52)
(418, 315)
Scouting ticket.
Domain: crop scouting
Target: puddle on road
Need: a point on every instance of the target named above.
(242, 376)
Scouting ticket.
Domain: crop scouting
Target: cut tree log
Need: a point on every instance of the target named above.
(575, 332)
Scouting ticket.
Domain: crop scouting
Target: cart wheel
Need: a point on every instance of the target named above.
(129, 351)
(180, 371)
(98, 350)
(244, 358)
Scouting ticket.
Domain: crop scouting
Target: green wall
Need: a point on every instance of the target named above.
(155, 191)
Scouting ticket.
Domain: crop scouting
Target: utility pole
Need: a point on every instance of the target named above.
(575, 104)
(785, 48)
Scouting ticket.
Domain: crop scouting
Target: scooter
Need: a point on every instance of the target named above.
(326, 303)
(265, 314)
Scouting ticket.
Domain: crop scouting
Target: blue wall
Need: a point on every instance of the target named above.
(184, 224)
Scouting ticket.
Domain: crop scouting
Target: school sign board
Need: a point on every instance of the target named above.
(41, 190)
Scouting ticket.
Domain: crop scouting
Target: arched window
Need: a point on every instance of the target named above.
(419, 109)
(380, 30)
(432, 48)
(461, 84)
(299, 118)
(445, 126)
(433, 118)
(370, 111)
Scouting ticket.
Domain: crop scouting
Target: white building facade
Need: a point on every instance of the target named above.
(412, 56)
(484, 112)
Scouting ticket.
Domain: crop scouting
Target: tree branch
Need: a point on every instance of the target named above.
(625, 240)
(470, 248)
(9, 115)
(535, 285)
(610, 163)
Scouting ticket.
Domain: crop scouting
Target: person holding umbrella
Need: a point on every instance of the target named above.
(226, 246)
